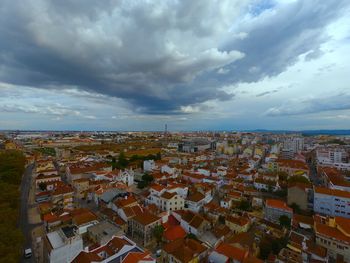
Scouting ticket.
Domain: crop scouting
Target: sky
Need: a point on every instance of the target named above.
(193, 65)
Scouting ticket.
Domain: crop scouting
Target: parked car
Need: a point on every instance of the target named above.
(28, 253)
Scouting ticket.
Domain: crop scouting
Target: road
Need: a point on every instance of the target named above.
(24, 223)
(314, 177)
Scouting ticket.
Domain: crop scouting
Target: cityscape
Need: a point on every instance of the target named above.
(174, 131)
(181, 196)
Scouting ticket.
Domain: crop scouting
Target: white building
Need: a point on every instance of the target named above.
(167, 199)
(149, 165)
(331, 202)
(296, 144)
(63, 245)
(331, 155)
(126, 176)
(171, 202)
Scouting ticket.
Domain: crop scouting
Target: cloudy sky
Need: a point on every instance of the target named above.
(136, 65)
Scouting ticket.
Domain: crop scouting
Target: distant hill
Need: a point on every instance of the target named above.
(306, 132)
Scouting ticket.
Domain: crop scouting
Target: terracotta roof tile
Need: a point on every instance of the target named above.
(334, 192)
(278, 204)
(146, 218)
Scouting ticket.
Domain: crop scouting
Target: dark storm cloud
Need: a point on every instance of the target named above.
(158, 56)
(262, 94)
(313, 105)
(276, 38)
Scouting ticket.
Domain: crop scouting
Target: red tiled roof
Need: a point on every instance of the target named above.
(334, 192)
(344, 224)
(278, 204)
(241, 221)
(232, 252)
(174, 232)
(295, 164)
(168, 195)
(196, 197)
(157, 187)
(65, 189)
(146, 218)
(84, 218)
(331, 232)
(135, 257)
(130, 200)
(184, 250)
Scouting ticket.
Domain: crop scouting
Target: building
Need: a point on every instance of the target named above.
(167, 199)
(295, 144)
(292, 167)
(334, 234)
(274, 209)
(184, 251)
(62, 197)
(149, 165)
(171, 202)
(118, 249)
(83, 219)
(46, 179)
(331, 202)
(301, 195)
(103, 232)
(195, 201)
(141, 227)
(63, 245)
(327, 155)
(81, 187)
(191, 222)
(238, 224)
(126, 176)
(225, 252)
(196, 145)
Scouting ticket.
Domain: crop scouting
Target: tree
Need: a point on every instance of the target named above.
(42, 186)
(147, 178)
(122, 161)
(283, 176)
(221, 219)
(192, 236)
(114, 163)
(296, 208)
(284, 221)
(158, 231)
(298, 179)
(265, 248)
(244, 205)
(11, 238)
(271, 245)
(282, 193)
(141, 184)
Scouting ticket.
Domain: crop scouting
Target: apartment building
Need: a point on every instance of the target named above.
(331, 202)
(331, 155)
(301, 195)
(334, 234)
(141, 227)
(171, 202)
(63, 245)
(274, 209)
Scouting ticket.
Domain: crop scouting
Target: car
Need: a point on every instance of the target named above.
(28, 253)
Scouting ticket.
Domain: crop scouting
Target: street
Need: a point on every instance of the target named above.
(26, 222)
